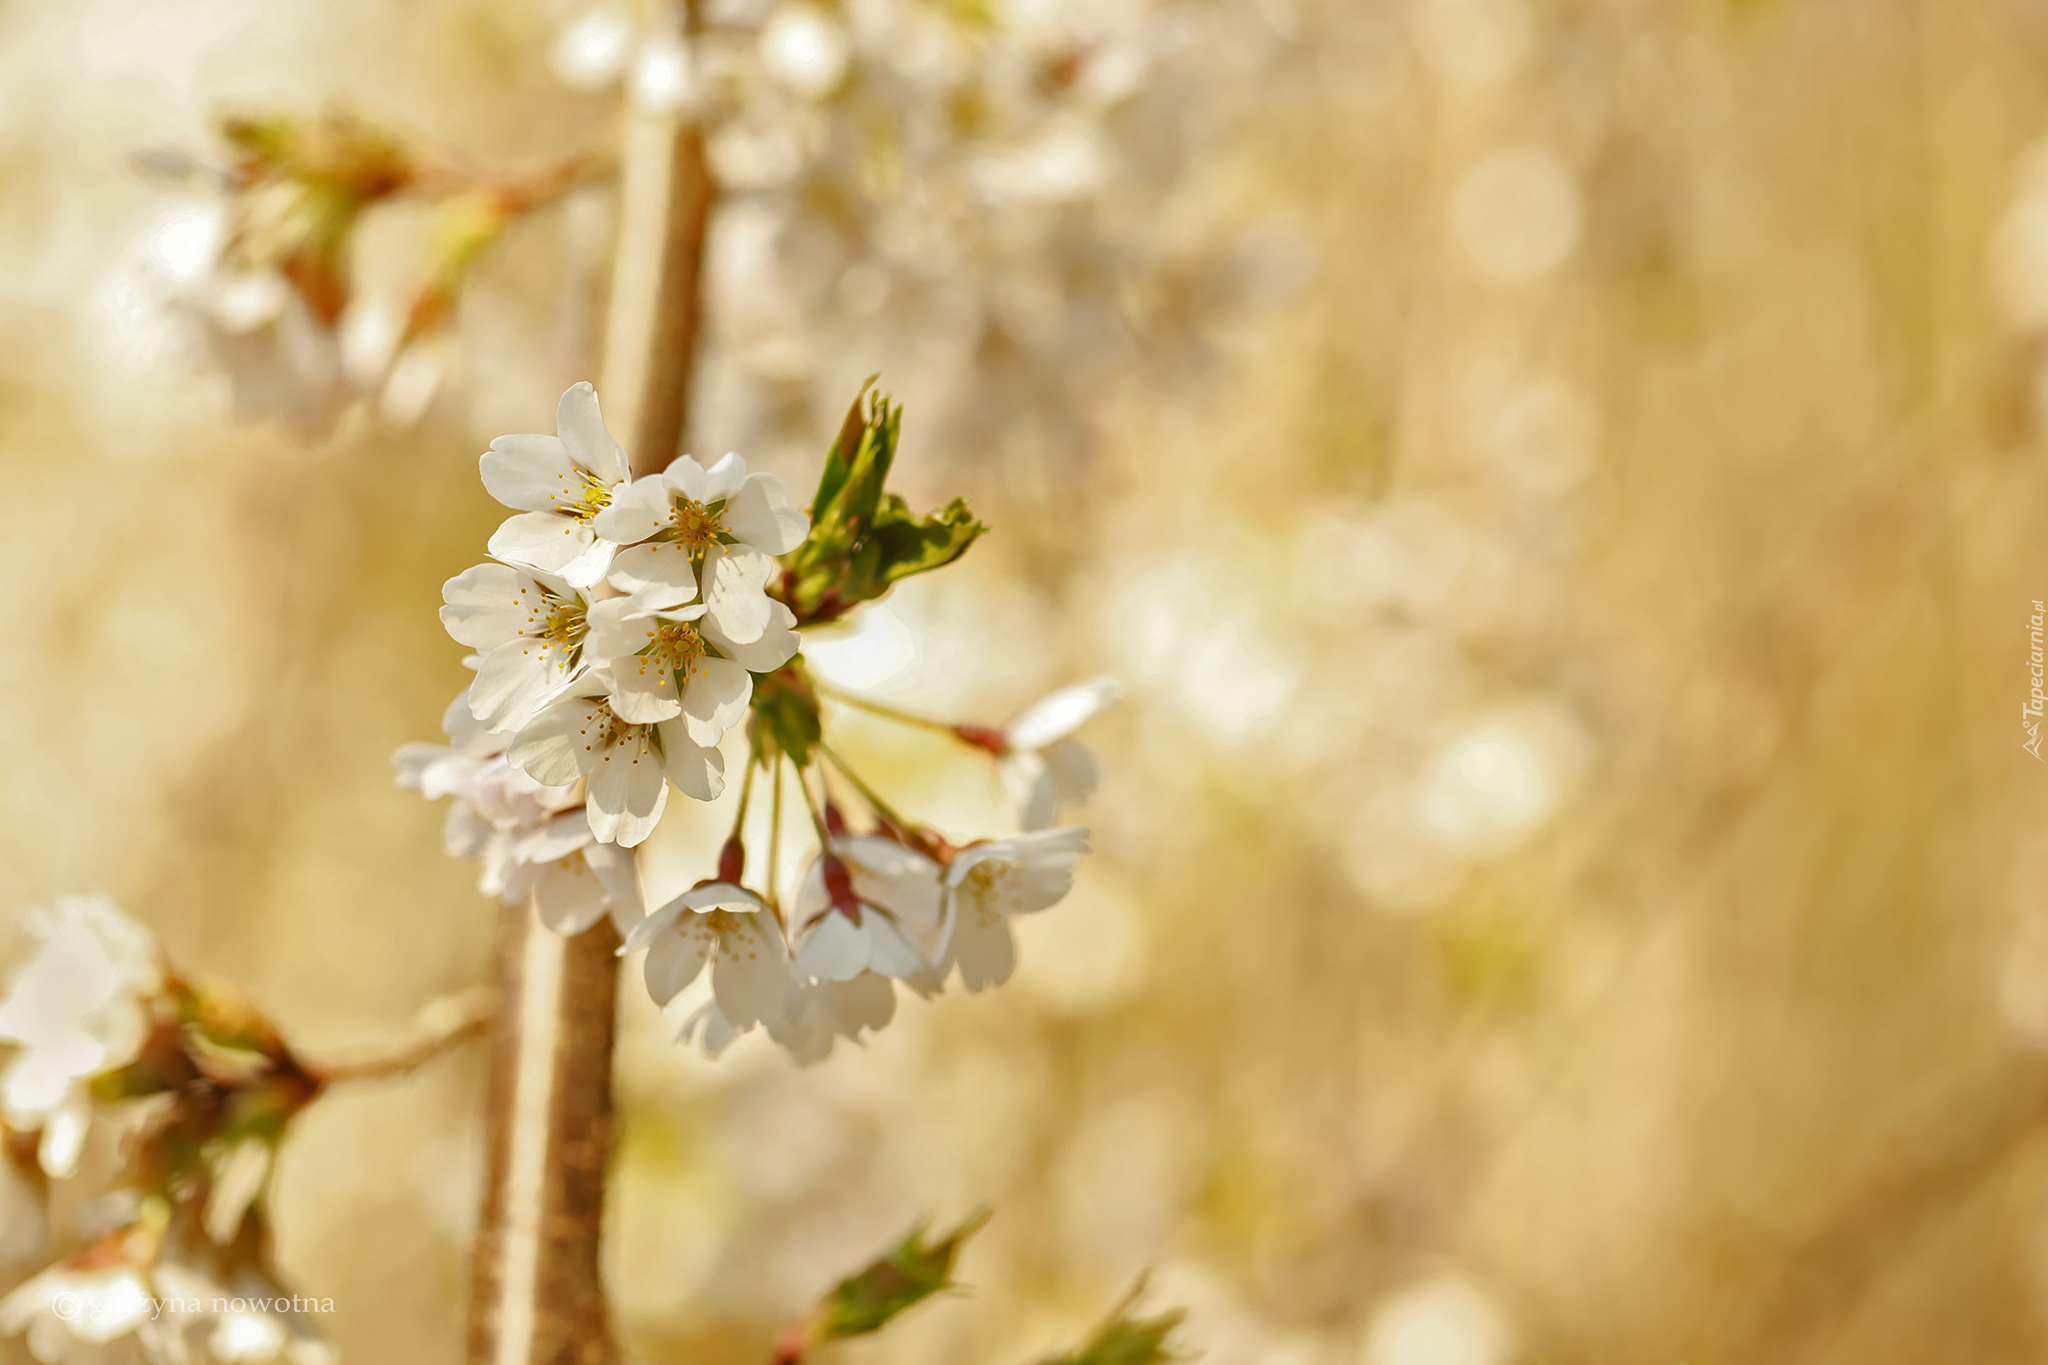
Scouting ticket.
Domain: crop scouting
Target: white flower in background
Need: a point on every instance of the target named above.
(75, 1010)
(629, 764)
(731, 929)
(804, 48)
(281, 361)
(529, 626)
(986, 883)
(1039, 763)
(564, 482)
(534, 843)
(607, 42)
(73, 1316)
(868, 904)
(247, 1319)
(730, 522)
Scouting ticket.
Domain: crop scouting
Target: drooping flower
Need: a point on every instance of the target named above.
(811, 1017)
(817, 1013)
(988, 882)
(1040, 764)
(529, 625)
(75, 1010)
(534, 842)
(868, 903)
(719, 529)
(629, 763)
(732, 930)
(563, 483)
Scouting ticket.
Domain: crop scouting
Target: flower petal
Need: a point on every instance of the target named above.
(551, 749)
(516, 682)
(644, 691)
(716, 699)
(837, 950)
(626, 794)
(697, 770)
(676, 956)
(985, 950)
(1062, 713)
(542, 539)
(735, 597)
(567, 896)
(584, 436)
(778, 644)
(751, 976)
(636, 511)
(760, 514)
(699, 484)
(489, 605)
(1029, 786)
(657, 574)
(619, 872)
(528, 472)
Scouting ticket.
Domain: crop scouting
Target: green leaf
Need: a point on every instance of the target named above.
(864, 539)
(1125, 1339)
(911, 1273)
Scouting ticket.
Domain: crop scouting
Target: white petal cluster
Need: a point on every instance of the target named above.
(76, 1009)
(534, 842)
(622, 623)
(871, 911)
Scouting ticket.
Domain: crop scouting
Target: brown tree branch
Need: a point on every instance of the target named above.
(439, 1025)
(536, 1294)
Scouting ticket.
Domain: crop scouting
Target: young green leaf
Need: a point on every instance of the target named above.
(1125, 1339)
(906, 1276)
(863, 538)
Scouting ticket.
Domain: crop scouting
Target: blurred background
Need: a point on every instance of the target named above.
(1561, 482)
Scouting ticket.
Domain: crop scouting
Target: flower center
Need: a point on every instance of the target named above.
(585, 502)
(616, 737)
(694, 524)
(673, 647)
(557, 622)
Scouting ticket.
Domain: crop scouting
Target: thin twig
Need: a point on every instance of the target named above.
(439, 1025)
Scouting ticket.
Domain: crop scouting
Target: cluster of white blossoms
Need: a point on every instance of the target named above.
(97, 1021)
(623, 628)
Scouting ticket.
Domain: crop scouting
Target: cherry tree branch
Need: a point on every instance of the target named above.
(440, 1025)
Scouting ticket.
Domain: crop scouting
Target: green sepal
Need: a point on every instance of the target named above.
(863, 538)
(906, 1276)
(785, 709)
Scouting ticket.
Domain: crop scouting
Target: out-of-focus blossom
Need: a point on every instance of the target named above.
(1040, 764)
(534, 843)
(75, 1009)
(867, 903)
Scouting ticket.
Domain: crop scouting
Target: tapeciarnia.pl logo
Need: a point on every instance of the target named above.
(2030, 714)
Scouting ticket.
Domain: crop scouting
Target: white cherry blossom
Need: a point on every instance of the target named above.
(529, 626)
(988, 882)
(534, 842)
(563, 483)
(717, 529)
(75, 1010)
(868, 903)
(629, 763)
(1040, 764)
(731, 929)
